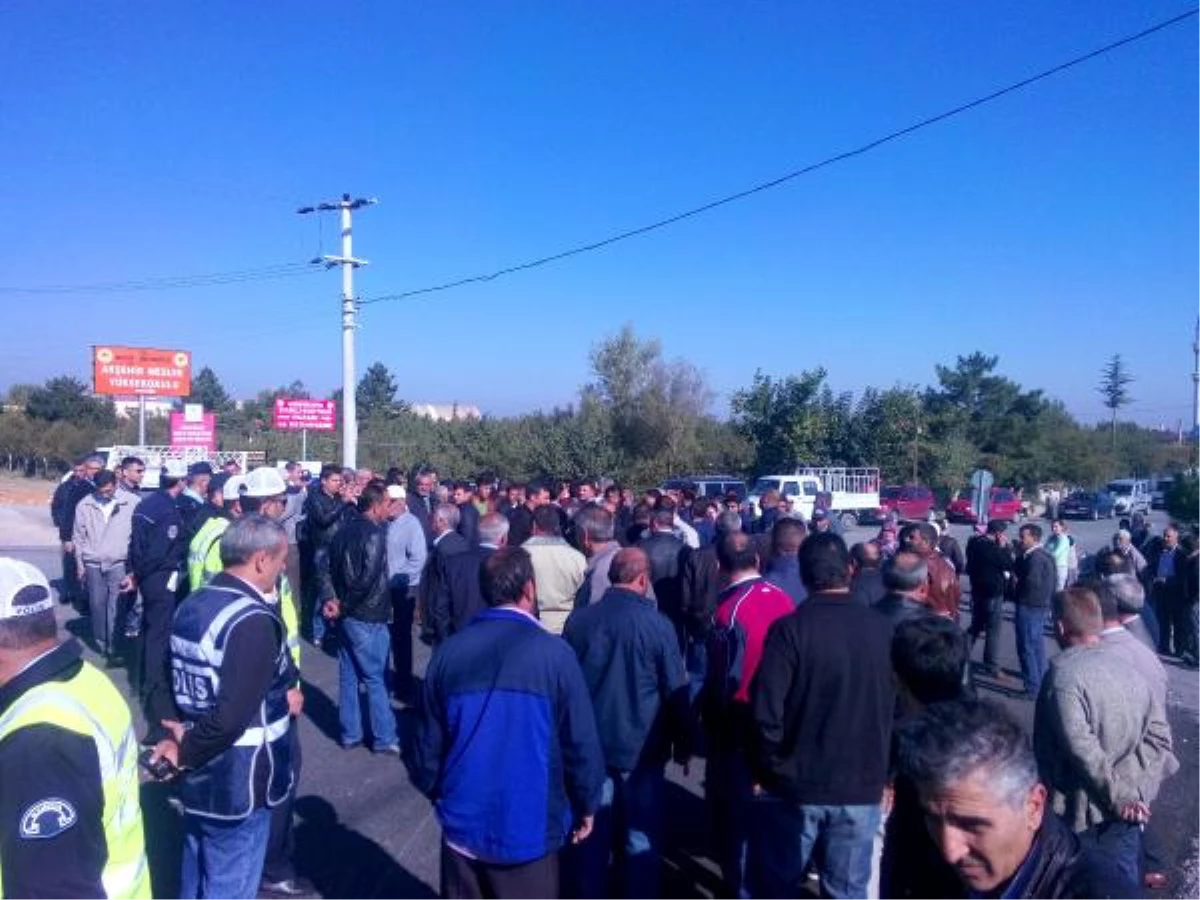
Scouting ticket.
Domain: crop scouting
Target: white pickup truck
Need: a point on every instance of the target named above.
(850, 493)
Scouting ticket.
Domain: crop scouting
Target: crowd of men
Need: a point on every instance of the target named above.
(583, 641)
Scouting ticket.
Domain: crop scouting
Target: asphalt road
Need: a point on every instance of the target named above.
(363, 831)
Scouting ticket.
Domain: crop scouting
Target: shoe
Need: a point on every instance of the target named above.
(352, 745)
(289, 887)
(1155, 881)
(389, 750)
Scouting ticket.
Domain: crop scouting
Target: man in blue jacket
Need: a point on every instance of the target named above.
(508, 750)
(631, 662)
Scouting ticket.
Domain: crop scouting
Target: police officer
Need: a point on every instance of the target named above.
(70, 821)
(157, 548)
(204, 551)
(232, 680)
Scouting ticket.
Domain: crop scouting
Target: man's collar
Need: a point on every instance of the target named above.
(60, 660)
(228, 580)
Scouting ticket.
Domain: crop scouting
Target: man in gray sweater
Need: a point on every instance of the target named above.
(1101, 736)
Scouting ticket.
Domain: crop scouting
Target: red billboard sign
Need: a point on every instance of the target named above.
(299, 415)
(141, 372)
(201, 432)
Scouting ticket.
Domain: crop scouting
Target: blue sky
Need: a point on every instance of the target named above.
(1053, 227)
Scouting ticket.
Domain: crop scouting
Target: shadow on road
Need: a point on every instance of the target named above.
(343, 863)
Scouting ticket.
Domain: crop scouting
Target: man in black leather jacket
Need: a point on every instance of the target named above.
(363, 604)
(324, 508)
(976, 776)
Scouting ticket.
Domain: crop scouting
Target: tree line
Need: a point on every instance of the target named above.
(642, 417)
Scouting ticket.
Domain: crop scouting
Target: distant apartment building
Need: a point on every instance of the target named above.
(446, 412)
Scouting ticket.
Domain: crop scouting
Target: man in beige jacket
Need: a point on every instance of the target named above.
(558, 568)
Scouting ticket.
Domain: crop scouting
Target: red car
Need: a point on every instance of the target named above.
(1004, 506)
(910, 502)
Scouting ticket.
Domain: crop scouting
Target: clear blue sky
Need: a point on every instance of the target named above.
(1053, 227)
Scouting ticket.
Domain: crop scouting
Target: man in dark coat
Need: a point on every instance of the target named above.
(906, 578)
(665, 552)
(459, 596)
(1036, 578)
(867, 587)
(969, 761)
(989, 568)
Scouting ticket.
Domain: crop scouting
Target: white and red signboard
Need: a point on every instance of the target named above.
(141, 372)
(194, 431)
(305, 415)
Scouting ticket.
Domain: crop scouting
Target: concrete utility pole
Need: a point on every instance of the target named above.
(1196, 381)
(349, 307)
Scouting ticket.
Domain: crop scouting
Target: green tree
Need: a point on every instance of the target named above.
(1115, 379)
(1183, 499)
(68, 399)
(782, 419)
(376, 393)
(208, 391)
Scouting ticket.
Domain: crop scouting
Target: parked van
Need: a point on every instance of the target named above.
(1158, 496)
(1130, 495)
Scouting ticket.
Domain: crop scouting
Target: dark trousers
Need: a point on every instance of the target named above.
(1187, 626)
(158, 608)
(404, 604)
(1121, 843)
(1162, 600)
(987, 616)
(72, 588)
(474, 879)
(279, 864)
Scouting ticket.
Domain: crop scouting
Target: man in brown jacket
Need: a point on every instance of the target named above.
(944, 590)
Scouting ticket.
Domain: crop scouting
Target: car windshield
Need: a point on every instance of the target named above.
(890, 493)
(1123, 490)
(766, 484)
(1082, 497)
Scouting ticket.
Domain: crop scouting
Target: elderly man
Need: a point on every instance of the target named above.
(103, 524)
(976, 779)
(594, 530)
(634, 673)
(906, 577)
(233, 678)
(1101, 736)
(459, 598)
(407, 551)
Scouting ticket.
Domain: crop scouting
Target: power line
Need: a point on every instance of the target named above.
(776, 182)
(173, 282)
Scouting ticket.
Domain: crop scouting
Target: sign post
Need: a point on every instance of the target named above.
(981, 494)
(141, 372)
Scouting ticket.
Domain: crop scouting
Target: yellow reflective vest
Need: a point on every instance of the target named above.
(90, 706)
(204, 561)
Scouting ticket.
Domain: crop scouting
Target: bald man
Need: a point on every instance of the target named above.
(634, 672)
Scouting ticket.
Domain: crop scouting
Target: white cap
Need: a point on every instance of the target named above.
(264, 482)
(174, 468)
(396, 492)
(23, 589)
(233, 487)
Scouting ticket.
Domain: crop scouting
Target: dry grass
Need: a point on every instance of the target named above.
(25, 491)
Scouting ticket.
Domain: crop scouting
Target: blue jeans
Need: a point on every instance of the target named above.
(628, 825)
(224, 859)
(1121, 842)
(1030, 622)
(362, 659)
(783, 841)
(696, 662)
